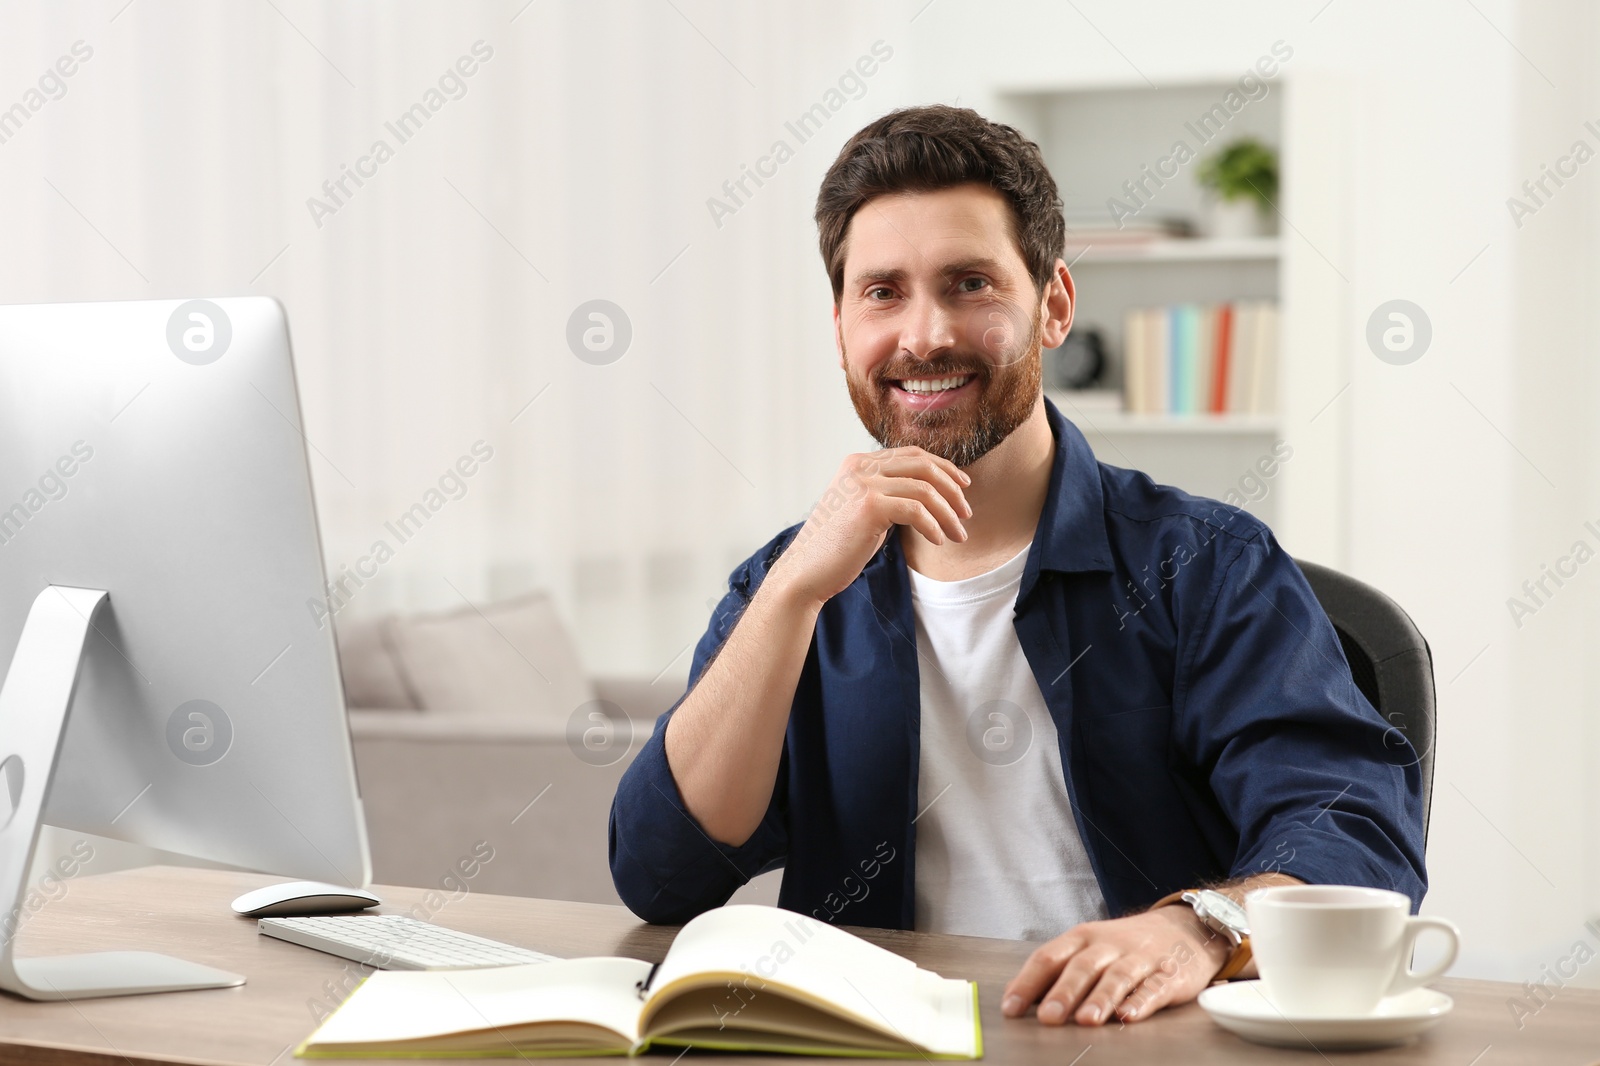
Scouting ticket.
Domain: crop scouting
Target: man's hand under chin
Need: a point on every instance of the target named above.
(1125, 968)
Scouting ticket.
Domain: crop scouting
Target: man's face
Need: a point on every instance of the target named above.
(939, 322)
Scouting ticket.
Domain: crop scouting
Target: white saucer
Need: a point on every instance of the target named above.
(1243, 1007)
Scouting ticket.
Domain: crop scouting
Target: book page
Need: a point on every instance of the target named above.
(763, 1022)
(749, 952)
(759, 941)
(394, 1006)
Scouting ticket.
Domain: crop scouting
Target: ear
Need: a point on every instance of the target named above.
(838, 335)
(1057, 305)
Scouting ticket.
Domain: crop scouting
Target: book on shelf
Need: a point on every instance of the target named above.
(1189, 359)
(738, 978)
(1096, 228)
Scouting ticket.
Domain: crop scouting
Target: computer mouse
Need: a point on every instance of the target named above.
(294, 898)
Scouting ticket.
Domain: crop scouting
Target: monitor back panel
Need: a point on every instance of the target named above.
(154, 450)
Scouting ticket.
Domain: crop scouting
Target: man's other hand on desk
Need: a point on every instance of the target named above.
(1127, 968)
(1133, 966)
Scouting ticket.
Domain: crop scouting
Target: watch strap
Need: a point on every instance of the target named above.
(1237, 960)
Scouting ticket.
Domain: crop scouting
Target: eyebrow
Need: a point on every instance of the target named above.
(979, 264)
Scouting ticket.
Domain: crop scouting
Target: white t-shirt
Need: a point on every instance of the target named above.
(998, 853)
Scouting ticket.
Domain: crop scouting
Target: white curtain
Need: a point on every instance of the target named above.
(429, 303)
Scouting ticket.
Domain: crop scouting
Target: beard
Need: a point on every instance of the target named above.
(966, 431)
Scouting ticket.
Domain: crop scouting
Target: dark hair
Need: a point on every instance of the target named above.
(924, 149)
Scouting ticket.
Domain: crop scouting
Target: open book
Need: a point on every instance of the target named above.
(740, 978)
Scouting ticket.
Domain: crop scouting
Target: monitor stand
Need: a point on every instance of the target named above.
(34, 701)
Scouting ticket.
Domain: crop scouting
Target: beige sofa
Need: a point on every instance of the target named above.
(489, 732)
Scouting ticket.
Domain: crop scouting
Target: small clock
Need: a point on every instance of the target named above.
(1080, 360)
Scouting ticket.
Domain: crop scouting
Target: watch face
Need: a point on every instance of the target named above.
(1225, 910)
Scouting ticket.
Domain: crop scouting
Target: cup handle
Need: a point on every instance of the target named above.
(1405, 978)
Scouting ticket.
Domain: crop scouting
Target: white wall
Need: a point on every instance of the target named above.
(180, 160)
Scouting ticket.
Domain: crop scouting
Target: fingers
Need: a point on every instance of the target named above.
(913, 452)
(937, 483)
(903, 512)
(1080, 974)
(945, 478)
(1157, 990)
(1171, 979)
(1038, 974)
(1119, 979)
(930, 497)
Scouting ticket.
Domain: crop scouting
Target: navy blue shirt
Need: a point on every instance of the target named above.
(1208, 723)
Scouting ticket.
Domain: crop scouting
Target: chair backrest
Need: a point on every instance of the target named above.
(1389, 660)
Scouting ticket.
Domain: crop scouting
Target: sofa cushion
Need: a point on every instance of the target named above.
(509, 658)
(370, 666)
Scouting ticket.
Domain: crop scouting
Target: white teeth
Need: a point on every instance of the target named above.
(935, 384)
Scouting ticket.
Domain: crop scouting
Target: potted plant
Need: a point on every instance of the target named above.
(1243, 181)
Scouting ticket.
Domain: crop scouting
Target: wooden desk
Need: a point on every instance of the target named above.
(185, 913)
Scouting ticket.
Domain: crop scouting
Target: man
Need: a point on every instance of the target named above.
(991, 686)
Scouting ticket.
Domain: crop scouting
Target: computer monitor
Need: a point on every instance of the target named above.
(156, 514)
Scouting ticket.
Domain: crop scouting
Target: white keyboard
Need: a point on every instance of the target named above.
(396, 942)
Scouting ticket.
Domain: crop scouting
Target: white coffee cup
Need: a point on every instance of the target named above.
(1337, 950)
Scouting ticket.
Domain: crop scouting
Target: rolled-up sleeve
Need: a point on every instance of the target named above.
(1315, 781)
(664, 865)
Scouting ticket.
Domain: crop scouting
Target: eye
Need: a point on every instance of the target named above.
(873, 294)
(974, 283)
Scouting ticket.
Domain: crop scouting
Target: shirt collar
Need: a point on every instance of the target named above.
(1071, 536)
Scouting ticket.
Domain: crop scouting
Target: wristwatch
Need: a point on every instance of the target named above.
(1223, 916)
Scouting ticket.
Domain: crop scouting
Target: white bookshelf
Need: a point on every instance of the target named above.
(1124, 424)
(1188, 250)
(1093, 139)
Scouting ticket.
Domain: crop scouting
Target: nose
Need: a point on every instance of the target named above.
(928, 329)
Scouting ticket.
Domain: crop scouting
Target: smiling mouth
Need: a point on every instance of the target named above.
(932, 386)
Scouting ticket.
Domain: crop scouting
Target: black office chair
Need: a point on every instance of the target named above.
(1389, 659)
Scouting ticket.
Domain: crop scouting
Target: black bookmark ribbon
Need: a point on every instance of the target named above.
(644, 986)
